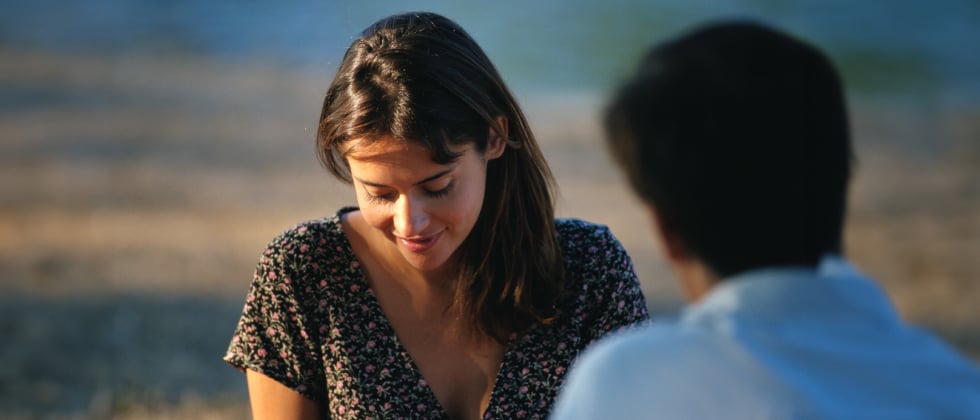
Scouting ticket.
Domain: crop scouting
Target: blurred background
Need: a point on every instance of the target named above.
(149, 149)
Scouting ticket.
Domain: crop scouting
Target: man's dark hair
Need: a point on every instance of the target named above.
(738, 136)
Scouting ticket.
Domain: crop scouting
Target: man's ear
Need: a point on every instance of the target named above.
(671, 245)
(497, 140)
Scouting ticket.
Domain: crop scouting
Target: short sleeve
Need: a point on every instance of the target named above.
(274, 335)
(600, 274)
(617, 297)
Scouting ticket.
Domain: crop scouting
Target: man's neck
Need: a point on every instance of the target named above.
(695, 278)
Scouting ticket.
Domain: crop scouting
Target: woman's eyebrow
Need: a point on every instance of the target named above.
(438, 175)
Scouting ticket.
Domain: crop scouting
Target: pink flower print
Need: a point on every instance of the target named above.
(423, 383)
(301, 388)
(323, 303)
(341, 409)
(355, 264)
(354, 288)
(380, 389)
(272, 275)
(521, 414)
(420, 407)
(303, 248)
(323, 283)
(303, 334)
(560, 370)
(523, 389)
(387, 406)
(271, 332)
(262, 353)
(370, 368)
(371, 344)
(372, 325)
(621, 304)
(562, 346)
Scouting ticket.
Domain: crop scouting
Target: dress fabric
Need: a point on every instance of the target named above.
(777, 343)
(312, 323)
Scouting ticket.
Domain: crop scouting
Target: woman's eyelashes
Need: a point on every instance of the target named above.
(389, 198)
(379, 199)
(441, 192)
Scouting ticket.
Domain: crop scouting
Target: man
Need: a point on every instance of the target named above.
(736, 138)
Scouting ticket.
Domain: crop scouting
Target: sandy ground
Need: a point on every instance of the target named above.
(137, 192)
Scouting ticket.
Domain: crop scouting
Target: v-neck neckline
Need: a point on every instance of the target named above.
(371, 299)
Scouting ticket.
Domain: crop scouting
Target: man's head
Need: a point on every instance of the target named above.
(737, 136)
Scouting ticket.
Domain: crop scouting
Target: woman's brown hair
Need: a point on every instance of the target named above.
(420, 77)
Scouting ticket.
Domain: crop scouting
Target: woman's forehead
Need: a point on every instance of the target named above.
(367, 147)
(370, 148)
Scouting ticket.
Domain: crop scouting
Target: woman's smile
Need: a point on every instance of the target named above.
(419, 244)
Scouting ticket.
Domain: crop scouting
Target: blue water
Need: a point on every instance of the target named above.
(904, 48)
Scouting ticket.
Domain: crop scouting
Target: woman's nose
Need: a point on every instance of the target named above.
(411, 217)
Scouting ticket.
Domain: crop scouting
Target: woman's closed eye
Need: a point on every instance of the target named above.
(380, 198)
(440, 192)
(390, 197)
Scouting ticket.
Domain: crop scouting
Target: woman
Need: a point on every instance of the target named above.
(450, 291)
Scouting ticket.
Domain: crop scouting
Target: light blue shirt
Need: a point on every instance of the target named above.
(776, 344)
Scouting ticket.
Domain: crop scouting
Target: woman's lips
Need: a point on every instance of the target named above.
(420, 244)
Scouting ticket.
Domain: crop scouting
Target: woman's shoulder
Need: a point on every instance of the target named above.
(324, 235)
(588, 247)
(590, 250)
(577, 236)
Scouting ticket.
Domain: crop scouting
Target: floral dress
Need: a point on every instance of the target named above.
(312, 323)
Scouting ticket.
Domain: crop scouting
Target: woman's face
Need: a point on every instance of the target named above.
(424, 209)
